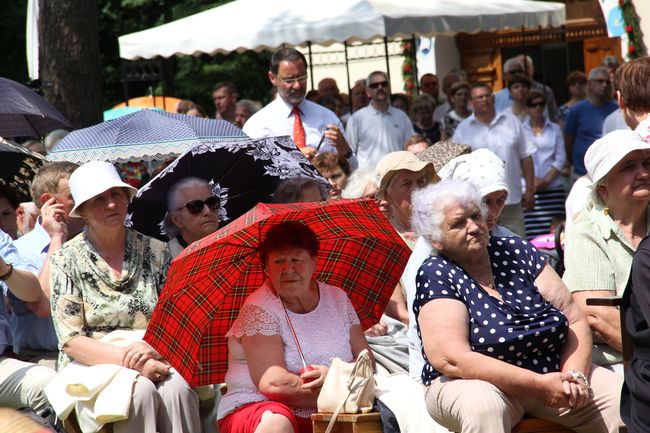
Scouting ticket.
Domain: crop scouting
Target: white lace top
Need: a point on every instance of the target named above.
(323, 333)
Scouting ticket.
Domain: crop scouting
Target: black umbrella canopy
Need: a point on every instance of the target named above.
(24, 113)
(17, 168)
(242, 174)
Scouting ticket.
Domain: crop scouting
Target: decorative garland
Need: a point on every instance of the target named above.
(407, 67)
(635, 46)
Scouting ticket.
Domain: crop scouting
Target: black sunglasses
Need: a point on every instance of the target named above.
(536, 105)
(378, 85)
(196, 206)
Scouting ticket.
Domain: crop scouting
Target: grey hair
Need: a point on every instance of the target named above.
(53, 138)
(251, 105)
(429, 205)
(598, 70)
(511, 62)
(358, 181)
(373, 74)
(168, 226)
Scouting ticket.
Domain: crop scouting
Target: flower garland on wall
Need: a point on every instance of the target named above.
(635, 46)
(408, 67)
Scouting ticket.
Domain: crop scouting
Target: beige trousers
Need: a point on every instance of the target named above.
(470, 406)
(22, 384)
(169, 406)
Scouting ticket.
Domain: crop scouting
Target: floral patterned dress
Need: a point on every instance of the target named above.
(88, 300)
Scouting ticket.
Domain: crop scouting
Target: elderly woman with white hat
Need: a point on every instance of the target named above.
(109, 278)
(602, 241)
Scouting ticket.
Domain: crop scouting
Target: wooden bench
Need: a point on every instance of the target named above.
(371, 423)
(348, 423)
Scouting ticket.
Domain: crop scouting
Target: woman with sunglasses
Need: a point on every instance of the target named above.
(108, 278)
(549, 158)
(192, 213)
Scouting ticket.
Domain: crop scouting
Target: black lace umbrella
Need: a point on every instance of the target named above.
(24, 113)
(242, 174)
(17, 168)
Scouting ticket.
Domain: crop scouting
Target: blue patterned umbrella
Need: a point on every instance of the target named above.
(24, 113)
(242, 174)
(144, 135)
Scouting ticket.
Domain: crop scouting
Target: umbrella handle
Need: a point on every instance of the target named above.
(293, 331)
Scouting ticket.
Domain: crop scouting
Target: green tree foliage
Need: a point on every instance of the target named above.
(193, 77)
(13, 16)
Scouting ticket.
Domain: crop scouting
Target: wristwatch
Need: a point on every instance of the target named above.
(579, 375)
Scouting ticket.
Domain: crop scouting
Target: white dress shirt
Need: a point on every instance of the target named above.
(277, 118)
(506, 138)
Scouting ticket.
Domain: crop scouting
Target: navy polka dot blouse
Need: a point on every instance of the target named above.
(523, 329)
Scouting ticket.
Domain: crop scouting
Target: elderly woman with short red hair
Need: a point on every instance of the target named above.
(267, 389)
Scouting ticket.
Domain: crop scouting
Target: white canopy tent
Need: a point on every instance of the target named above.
(267, 24)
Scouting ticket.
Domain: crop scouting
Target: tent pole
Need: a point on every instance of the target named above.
(415, 65)
(311, 66)
(347, 73)
(386, 55)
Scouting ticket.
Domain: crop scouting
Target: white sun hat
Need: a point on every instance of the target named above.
(92, 179)
(609, 150)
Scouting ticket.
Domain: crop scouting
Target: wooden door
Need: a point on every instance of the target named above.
(595, 50)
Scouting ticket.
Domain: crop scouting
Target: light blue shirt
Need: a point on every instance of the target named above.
(29, 330)
(502, 100)
(10, 255)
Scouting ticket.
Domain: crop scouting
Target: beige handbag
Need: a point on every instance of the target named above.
(348, 388)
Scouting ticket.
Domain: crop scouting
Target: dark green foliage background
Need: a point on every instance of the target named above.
(193, 77)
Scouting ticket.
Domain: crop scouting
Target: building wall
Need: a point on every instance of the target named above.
(643, 10)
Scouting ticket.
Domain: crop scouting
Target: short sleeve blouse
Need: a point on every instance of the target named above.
(323, 333)
(523, 329)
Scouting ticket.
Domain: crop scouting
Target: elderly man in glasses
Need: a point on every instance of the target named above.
(377, 129)
(192, 213)
(313, 128)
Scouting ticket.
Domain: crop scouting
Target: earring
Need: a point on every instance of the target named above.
(606, 211)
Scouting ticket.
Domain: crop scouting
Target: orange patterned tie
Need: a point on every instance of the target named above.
(298, 129)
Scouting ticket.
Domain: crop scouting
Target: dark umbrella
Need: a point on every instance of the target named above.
(242, 173)
(18, 166)
(143, 135)
(24, 113)
(207, 283)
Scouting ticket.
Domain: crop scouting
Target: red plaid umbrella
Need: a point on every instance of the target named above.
(207, 284)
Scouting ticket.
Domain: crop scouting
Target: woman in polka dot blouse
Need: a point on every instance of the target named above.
(501, 335)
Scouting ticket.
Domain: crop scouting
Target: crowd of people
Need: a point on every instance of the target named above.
(482, 319)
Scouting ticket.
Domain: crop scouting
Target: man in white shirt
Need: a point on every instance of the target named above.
(502, 133)
(313, 128)
(378, 129)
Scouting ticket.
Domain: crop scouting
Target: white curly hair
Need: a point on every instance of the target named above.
(430, 202)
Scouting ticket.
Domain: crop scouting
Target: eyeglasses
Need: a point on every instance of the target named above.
(291, 81)
(536, 105)
(196, 206)
(383, 84)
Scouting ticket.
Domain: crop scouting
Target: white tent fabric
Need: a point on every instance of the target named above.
(268, 24)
